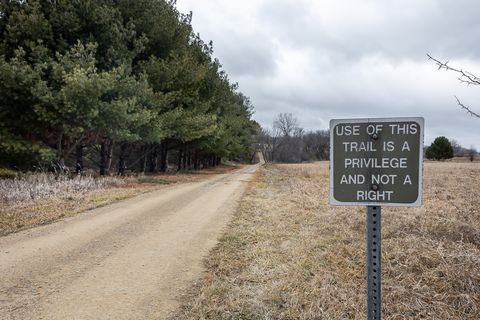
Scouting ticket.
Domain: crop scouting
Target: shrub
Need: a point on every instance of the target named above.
(440, 149)
(22, 154)
(7, 173)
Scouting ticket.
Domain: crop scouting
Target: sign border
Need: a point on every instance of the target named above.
(418, 202)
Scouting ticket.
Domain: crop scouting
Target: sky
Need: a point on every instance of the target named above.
(342, 59)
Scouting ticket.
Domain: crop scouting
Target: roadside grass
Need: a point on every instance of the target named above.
(38, 199)
(288, 254)
(41, 199)
(153, 180)
(47, 185)
(19, 216)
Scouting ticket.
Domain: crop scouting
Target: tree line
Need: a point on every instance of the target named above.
(114, 84)
(442, 148)
(288, 142)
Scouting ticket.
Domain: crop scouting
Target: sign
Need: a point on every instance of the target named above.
(376, 162)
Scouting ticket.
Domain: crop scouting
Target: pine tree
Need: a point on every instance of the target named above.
(440, 149)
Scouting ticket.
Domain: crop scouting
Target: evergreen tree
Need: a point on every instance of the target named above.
(97, 80)
(440, 149)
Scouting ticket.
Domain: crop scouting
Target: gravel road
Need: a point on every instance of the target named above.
(129, 260)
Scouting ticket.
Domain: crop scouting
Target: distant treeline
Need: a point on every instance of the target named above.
(114, 85)
(288, 142)
(459, 151)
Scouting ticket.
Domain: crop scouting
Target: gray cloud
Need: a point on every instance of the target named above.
(345, 58)
(349, 29)
(249, 54)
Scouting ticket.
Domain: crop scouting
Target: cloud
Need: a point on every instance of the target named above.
(350, 28)
(345, 58)
(243, 46)
(255, 56)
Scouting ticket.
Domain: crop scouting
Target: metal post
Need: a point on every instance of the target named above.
(374, 263)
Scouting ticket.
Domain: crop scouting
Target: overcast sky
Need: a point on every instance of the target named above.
(327, 59)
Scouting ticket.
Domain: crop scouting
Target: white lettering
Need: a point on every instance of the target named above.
(363, 146)
(407, 180)
(374, 128)
(413, 128)
(352, 179)
(383, 178)
(348, 162)
(388, 146)
(372, 195)
(347, 130)
(361, 195)
(355, 162)
(404, 128)
(376, 163)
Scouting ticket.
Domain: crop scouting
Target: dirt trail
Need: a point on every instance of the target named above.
(130, 260)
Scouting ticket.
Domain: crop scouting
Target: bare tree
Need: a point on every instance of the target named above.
(317, 145)
(465, 77)
(289, 136)
(286, 123)
(268, 142)
(288, 142)
(457, 148)
(472, 153)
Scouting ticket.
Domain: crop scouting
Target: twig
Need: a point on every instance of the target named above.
(470, 112)
(465, 76)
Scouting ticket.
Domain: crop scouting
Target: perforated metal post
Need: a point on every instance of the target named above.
(374, 263)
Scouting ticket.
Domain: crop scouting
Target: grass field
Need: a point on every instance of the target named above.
(288, 254)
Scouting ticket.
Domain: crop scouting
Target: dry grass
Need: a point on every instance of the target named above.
(288, 254)
(44, 198)
(50, 186)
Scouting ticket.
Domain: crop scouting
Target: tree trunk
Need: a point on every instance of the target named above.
(60, 153)
(103, 158)
(272, 159)
(143, 159)
(122, 166)
(79, 159)
(163, 156)
(196, 163)
(189, 160)
(185, 158)
(179, 166)
(212, 161)
(109, 155)
(106, 149)
(153, 158)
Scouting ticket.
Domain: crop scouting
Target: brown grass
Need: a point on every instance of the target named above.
(48, 200)
(288, 254)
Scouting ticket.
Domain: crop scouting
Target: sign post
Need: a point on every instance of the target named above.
(374, 262)
(376, 162)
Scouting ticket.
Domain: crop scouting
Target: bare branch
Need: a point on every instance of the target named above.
(466, 108)
(285, 123)
(465, 76)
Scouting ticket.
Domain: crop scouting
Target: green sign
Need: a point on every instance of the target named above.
(376, 162)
